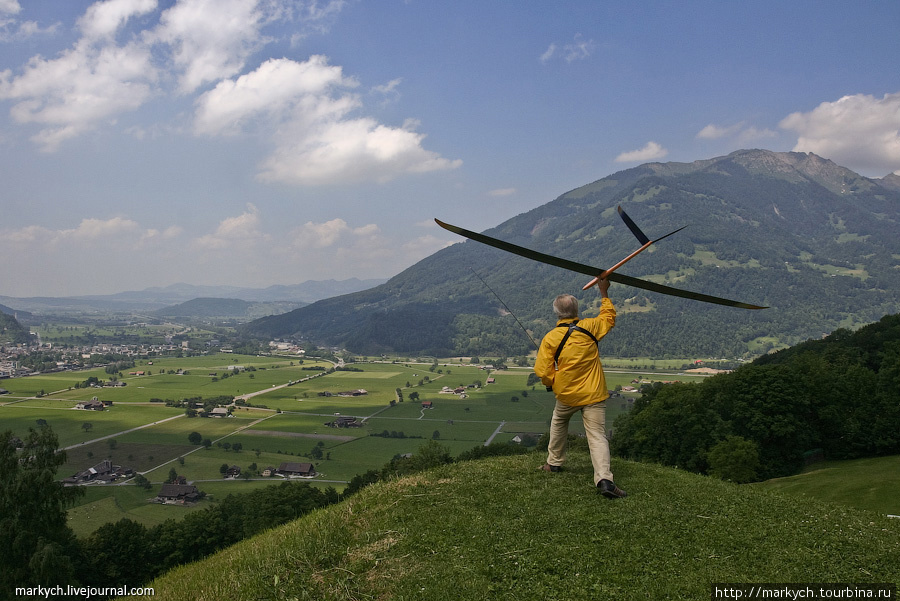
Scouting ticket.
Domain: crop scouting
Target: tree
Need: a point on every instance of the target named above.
(87, 427)
(38, 544)
(735, 459)
(195, 438)
(117, 552)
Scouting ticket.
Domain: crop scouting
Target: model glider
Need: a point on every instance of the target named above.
(596, 273)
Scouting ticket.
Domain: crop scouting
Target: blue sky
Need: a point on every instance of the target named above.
(258, 142)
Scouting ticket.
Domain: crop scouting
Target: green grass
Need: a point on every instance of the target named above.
(872, 483)
(108, 504)
(500, 529)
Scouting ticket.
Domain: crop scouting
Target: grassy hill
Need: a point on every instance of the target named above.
(872, 483)
(500, 529)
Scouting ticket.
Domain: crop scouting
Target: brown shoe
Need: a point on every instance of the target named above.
(551, 468)
(608, 489)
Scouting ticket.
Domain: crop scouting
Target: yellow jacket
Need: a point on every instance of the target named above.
(579, 379)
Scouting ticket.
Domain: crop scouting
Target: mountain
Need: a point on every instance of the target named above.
(225, 308)
(154, 298)
(812, 240)
(307, 292)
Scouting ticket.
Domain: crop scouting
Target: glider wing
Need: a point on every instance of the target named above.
(591, 271)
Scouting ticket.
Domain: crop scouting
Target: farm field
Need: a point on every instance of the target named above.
(291, 405)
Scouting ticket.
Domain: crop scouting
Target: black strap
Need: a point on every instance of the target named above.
(571, 328)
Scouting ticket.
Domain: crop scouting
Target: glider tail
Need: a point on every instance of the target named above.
(641, 236)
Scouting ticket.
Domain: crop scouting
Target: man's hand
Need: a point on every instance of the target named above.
(603, 287)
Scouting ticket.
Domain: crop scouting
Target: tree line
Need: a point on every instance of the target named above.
(837, 398)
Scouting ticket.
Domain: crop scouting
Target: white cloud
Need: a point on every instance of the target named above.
(548, 54)
(425, 246)
(754, 134)
(235, 233)
(90, 232)
(335, 151)
(210, 39)
(314, 16)
(104, 19)
(152, 235)
(89, 84)
(714, 132)
(101, 229)
(362, 251)
(277, 87)
(579, 49)
(29, 29)
(11, 7)
(305, 109)
(740, 131)
(388, 92)
(320, 235)
(502, 192)
(651, 151)
(860, 131)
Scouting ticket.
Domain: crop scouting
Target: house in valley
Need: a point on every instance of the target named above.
(178, 494)
(296, 470)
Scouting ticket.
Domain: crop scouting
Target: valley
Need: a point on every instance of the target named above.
(282, 406)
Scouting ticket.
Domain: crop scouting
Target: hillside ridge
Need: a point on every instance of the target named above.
(500, 529)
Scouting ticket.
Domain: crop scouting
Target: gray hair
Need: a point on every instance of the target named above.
(565, 306)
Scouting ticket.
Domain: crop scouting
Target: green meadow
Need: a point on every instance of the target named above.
(291, 401)
(872, 483)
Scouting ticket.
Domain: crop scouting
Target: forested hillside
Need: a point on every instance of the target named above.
(837, 398)
(814, 241)
(11, 331)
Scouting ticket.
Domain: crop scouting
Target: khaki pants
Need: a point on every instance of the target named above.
(594, 417)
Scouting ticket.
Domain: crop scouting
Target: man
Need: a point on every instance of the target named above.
(568, 361)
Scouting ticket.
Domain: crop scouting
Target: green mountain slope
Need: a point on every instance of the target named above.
(499, 529)
(11, 331)
(813, 240)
